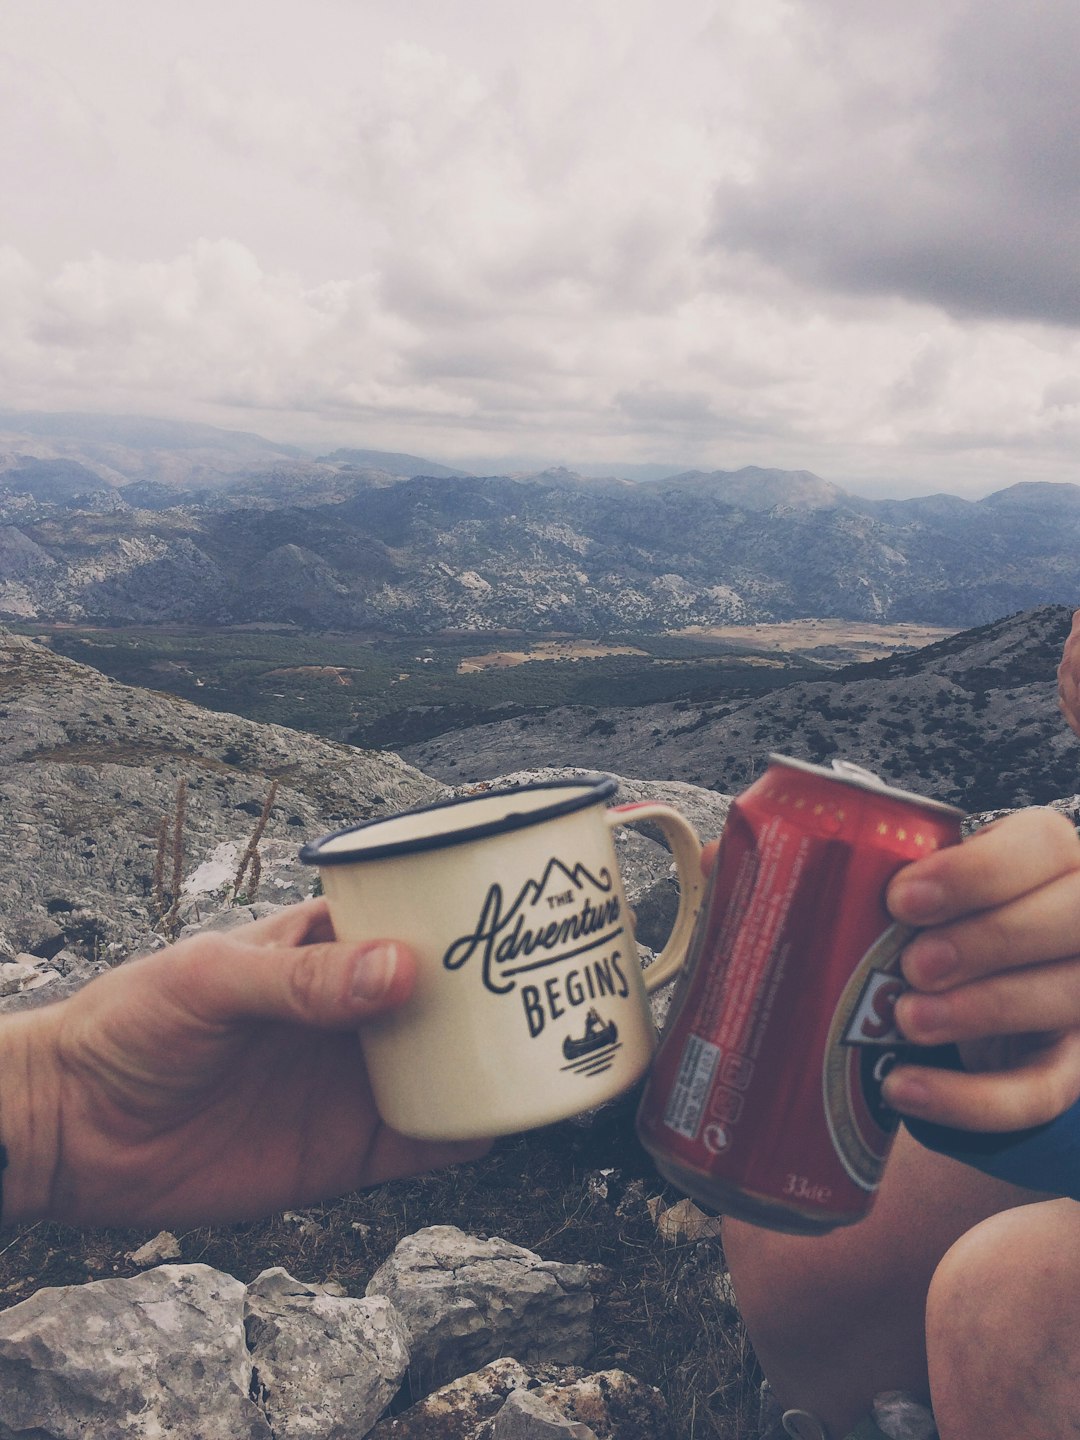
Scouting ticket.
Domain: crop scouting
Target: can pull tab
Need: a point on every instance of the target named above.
(848, 770)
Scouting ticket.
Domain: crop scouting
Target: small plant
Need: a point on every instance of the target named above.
(170, 848)
(250, 860)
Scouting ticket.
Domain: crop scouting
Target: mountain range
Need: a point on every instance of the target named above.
(95, 531)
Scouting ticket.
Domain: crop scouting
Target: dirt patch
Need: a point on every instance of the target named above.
(851, 639)
(545, 650)
(837, 642)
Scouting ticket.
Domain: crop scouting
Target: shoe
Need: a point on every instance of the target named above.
(801, 1425)
(900, 1417)
(896, 1417)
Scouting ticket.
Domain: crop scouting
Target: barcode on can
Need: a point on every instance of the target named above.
(692, 1084)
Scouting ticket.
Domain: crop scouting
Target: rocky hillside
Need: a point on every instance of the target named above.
(91, 768)
(350, 541)
(972, 719)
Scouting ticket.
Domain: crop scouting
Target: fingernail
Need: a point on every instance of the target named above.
(918, 901)
(931, 961)
(906, 1090)
(373, 970)
(923, 1018)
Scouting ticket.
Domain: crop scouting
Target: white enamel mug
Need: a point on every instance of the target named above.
(530, 1004)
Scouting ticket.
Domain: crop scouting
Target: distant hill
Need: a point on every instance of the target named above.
(120, 449)
(389, 462)
(139, 432)
(49, 480)
(339, 547)
(117, 520)
(973, 719)
(154, 463)
(753, 488)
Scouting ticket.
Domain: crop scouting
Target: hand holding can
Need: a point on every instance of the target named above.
(995, 970)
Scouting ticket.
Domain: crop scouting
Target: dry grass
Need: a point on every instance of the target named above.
(659, 1314)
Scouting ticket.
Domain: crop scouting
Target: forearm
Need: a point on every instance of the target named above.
(29, 1114)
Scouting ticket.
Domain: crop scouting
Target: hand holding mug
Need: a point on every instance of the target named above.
(219, 1079)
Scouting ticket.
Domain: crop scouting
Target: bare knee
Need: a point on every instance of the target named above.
(1002, 1317)
(993, 1281)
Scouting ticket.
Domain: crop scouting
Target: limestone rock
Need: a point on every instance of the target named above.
(15, 975)
(325, 1367)
(49, 986)
(528, 1416)
(683, 1221)
(456, 1410)
(901, 1417)
(41, 978)
(164, 1246)
(162, 1354)
(723, 1290)
(466, 1301)
(611, 1403)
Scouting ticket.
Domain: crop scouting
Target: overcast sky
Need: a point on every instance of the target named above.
(806, 233)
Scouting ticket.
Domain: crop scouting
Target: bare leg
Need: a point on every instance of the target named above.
(1003, 1328)
(834, 1319)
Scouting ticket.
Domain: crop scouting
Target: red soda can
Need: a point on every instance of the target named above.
(764, 1099)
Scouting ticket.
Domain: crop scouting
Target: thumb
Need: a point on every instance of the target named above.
(333, 984)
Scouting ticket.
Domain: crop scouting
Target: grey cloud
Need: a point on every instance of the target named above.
(1062, 395)
(960, 187)
(925, 379)
(499, 358)
(690, 417)
(650, 402)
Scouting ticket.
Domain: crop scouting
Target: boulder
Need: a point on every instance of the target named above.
(466, 1301)
(325, 1366)
(683, 1221)
(164, 1246)
(15, 975)
(609, 1404)
(901, 1417)
(162, 1354)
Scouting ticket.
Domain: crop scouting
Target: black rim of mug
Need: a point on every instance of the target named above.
(589, 791)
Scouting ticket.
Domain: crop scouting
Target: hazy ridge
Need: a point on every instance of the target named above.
(138, 529)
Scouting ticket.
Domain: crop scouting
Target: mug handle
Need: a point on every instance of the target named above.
(686, 851)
